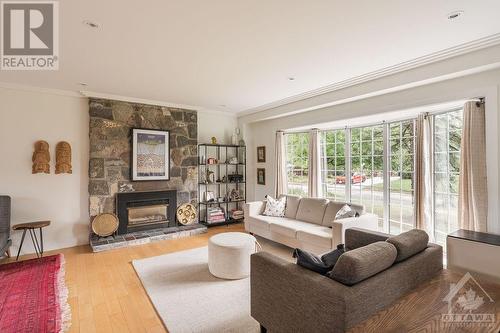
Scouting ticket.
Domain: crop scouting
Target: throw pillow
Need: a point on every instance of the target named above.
(359, 264)
(310, 261)
(330, 258)
(275, 207)
(409, 243)
(322, 264)
(345, 212)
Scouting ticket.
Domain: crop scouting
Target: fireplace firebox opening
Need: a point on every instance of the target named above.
(139, 211)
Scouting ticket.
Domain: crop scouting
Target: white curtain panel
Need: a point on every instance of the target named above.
(423, 175)
(281, 181)
(314, 187)
(473, 191)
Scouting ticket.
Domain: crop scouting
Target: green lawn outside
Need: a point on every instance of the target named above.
(403, 184)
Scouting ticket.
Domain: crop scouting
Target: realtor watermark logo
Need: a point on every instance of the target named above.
(30, 35)
(468, 304)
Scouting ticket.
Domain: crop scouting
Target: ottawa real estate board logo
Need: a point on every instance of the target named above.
(29, 35)
(469, 305)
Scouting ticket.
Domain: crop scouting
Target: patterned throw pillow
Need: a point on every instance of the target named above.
(275, 207)
(345, 212)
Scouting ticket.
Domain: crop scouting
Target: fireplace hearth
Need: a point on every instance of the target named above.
(140, 211)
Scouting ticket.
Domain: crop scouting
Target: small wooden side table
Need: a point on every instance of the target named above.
(31, 228)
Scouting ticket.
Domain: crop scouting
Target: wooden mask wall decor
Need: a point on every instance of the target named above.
(41, 158)
(63, 158)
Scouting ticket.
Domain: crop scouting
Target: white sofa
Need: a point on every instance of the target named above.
(309, 223)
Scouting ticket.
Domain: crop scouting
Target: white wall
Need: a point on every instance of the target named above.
(27, 116)
(485, 84)
(218, 124)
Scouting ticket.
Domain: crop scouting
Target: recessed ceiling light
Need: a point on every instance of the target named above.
(456, 14)
(91, 24)
(83, 84)
(291, 79)
(222, 105)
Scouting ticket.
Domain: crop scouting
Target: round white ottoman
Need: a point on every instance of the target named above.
(229, 255)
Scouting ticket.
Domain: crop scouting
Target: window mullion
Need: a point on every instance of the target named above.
(386, 195)
(347, 162)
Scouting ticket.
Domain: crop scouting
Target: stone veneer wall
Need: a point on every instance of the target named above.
(110, 145)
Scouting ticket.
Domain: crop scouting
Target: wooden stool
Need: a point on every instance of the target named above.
(31, 228)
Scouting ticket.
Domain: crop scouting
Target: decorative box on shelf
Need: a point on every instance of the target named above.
(221, 183)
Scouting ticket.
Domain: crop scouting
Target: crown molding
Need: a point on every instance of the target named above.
(406, 86)
(90, 94)
(448, 53)
(93, 94)
(50, 91)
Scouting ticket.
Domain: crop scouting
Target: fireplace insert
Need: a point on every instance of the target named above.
(138, 211)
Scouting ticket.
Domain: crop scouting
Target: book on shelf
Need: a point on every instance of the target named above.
(220, 219)
(215, 214)
(237, 214)
(216, 221)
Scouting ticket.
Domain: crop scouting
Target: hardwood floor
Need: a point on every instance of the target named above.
(422, 309)
(106, 295)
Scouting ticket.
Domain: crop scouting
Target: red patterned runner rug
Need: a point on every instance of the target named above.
(34, 297)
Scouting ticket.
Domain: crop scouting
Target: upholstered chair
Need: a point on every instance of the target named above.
(5, 241)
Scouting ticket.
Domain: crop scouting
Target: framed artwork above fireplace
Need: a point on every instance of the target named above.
(150, 154)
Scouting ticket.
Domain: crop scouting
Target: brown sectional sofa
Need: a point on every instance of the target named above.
(288, 298)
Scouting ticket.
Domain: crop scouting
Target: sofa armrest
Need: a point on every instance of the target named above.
(365, 221)
(254, 208)
(288, 298)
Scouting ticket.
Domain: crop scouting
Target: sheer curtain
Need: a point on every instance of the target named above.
(280, 182)
(314, 164)
(473, 191)
(423, 174)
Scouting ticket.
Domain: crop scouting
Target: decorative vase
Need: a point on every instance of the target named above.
(236, 137)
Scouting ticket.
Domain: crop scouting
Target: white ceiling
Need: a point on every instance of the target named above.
(241, 53)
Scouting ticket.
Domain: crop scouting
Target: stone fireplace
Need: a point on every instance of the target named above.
(146, 209)
(110, 128)
(139, 211)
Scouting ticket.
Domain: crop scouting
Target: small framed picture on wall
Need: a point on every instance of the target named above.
(261, 176)
(261, 154)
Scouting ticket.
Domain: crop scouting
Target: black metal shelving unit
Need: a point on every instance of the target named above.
(222, 153)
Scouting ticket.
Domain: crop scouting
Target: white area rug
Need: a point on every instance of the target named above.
(190, 299)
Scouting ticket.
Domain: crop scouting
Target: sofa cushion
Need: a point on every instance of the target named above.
(334, 206)
(360, 209)
(263, 221)
(311, 210)
(317, 235)
(288, 227)
(292, 205)
(359, 264)
(331, 210)
(409, 243)
(258, 222)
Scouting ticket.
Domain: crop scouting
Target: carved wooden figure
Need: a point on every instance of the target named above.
(63, 158)
(41, 158)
